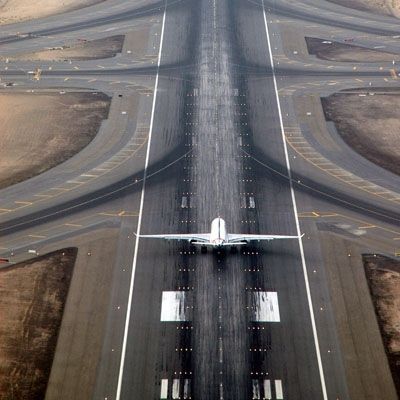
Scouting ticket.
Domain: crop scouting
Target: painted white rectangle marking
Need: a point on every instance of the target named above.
(164, 389)
(173, 306)
(175, 389)
(186, 389)
(266, 307)
(252, 202)
(184, 203)
(256, 389)
(278, 389)
(267, 389)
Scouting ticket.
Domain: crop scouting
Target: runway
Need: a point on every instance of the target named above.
(217, 140)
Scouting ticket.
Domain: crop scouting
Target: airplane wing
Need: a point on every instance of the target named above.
(235, 238)
(190, 237)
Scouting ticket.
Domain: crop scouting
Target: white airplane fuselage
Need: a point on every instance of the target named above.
(218, 237)
(218, 234)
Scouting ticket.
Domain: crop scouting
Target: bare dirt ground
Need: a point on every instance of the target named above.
(81, 50)
(32, 299)
(385, 7)
(43, 129)
(334, 51)
(21, 10)
(383, 276)
(370, 124)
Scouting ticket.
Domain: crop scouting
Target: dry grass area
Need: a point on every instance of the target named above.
(81, 50)
(370, 124)
(43, 129)
(21, 10)
(385, 7)
(383, 276)
(334, 51)
(32, 299)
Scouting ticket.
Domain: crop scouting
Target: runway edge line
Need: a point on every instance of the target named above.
(129, 307)
(303, 259)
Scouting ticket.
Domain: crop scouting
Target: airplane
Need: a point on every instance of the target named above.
(218, 237)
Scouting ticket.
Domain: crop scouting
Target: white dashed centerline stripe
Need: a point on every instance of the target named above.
(303, 259)
(129, 307)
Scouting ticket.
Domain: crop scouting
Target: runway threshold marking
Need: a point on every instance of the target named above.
(136, 249)
(164, 389)
(303, 260)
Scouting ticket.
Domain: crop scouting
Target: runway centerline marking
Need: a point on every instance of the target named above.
(303, 260)
(135, 256)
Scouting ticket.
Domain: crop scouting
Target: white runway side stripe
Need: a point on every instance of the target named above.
(278, 389)
(129, 307)
(303, 259)
(266, 307)
(173, 306)
(164, 389)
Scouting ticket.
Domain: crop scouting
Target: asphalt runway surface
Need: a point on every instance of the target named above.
(245, 324)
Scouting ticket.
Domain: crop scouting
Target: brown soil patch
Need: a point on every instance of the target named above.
(32, 299)
(21, 10)
(41, 130)
(383, 276)
(334, 51)
(377, 6)
(369, 124)
(82, 50)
